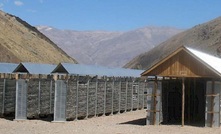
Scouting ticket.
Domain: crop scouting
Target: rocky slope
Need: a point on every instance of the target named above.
(20, 42)
(204, 37)
(107, 48)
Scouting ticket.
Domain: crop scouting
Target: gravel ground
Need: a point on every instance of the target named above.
(125, 123)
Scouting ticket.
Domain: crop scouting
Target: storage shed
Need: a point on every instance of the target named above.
(188, 93)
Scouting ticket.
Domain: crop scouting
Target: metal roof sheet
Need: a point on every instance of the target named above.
(80, 69)
(7, 67)
(35, 68)
(211, 61)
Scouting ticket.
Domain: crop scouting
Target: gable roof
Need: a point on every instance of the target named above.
(34, 68)
(211, 62)
(80, 69)
(7, 67)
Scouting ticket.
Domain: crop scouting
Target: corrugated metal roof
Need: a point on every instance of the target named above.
(79, 69)
(211, 61)
(7, 67)
(35, 68)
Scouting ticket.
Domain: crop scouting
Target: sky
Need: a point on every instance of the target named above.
(113, 15)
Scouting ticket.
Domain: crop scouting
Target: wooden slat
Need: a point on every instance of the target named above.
(183, 101)
(211, 112)
(153, 111)
(212, 95)
(154, 95)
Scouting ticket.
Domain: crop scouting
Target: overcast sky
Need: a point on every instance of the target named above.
(113, 15)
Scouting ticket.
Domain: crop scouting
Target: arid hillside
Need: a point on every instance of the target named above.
(204, 37)
(20, 42)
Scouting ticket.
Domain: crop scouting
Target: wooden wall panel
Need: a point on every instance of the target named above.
(182, 65)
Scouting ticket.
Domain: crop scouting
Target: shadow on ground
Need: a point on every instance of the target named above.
(48, 118)
(140, 122)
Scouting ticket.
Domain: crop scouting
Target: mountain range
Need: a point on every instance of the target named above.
(108, 48)
(204, 37)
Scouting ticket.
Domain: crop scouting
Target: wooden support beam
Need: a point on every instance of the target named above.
(183, 101)
(96, 99)
(155, 101)
(212, 103)
(77, 100)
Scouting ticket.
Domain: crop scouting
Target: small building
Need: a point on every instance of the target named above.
(189, 91)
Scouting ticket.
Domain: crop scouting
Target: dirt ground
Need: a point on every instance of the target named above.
(125, 123)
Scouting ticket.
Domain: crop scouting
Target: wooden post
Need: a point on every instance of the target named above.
(105, 88)
(126, 95)
(39, 93)
(154, 100)
(212, 103)
(96, 86)
(183, 100)
(88, 83)
(77, 82)
(3, 96)
(119, 97)
(112, 97)
(132, 90)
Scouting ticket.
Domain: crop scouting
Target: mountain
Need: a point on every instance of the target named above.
(107, 48)
(20, 42)
(204, 37)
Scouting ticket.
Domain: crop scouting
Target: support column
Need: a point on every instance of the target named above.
(77, 82)
(96, 85)
(3, 97)
(132, 90)
(21, 100)
(88, 83)
(60, 100)
(112, 96)
(125, 110)
(39, 95)
(119, 97)
(105, 86)
(138, 95)
(183, 101)
(154, 100)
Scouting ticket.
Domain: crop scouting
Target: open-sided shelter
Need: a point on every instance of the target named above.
(189, 92)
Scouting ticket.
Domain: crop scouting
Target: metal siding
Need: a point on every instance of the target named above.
(159, 102)
(212, 109)
(60, 101)
(21, 98)
(99, 70)
(150, 92)
(34, 68)
(7, 67)
(210, 60)
(154, 112)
